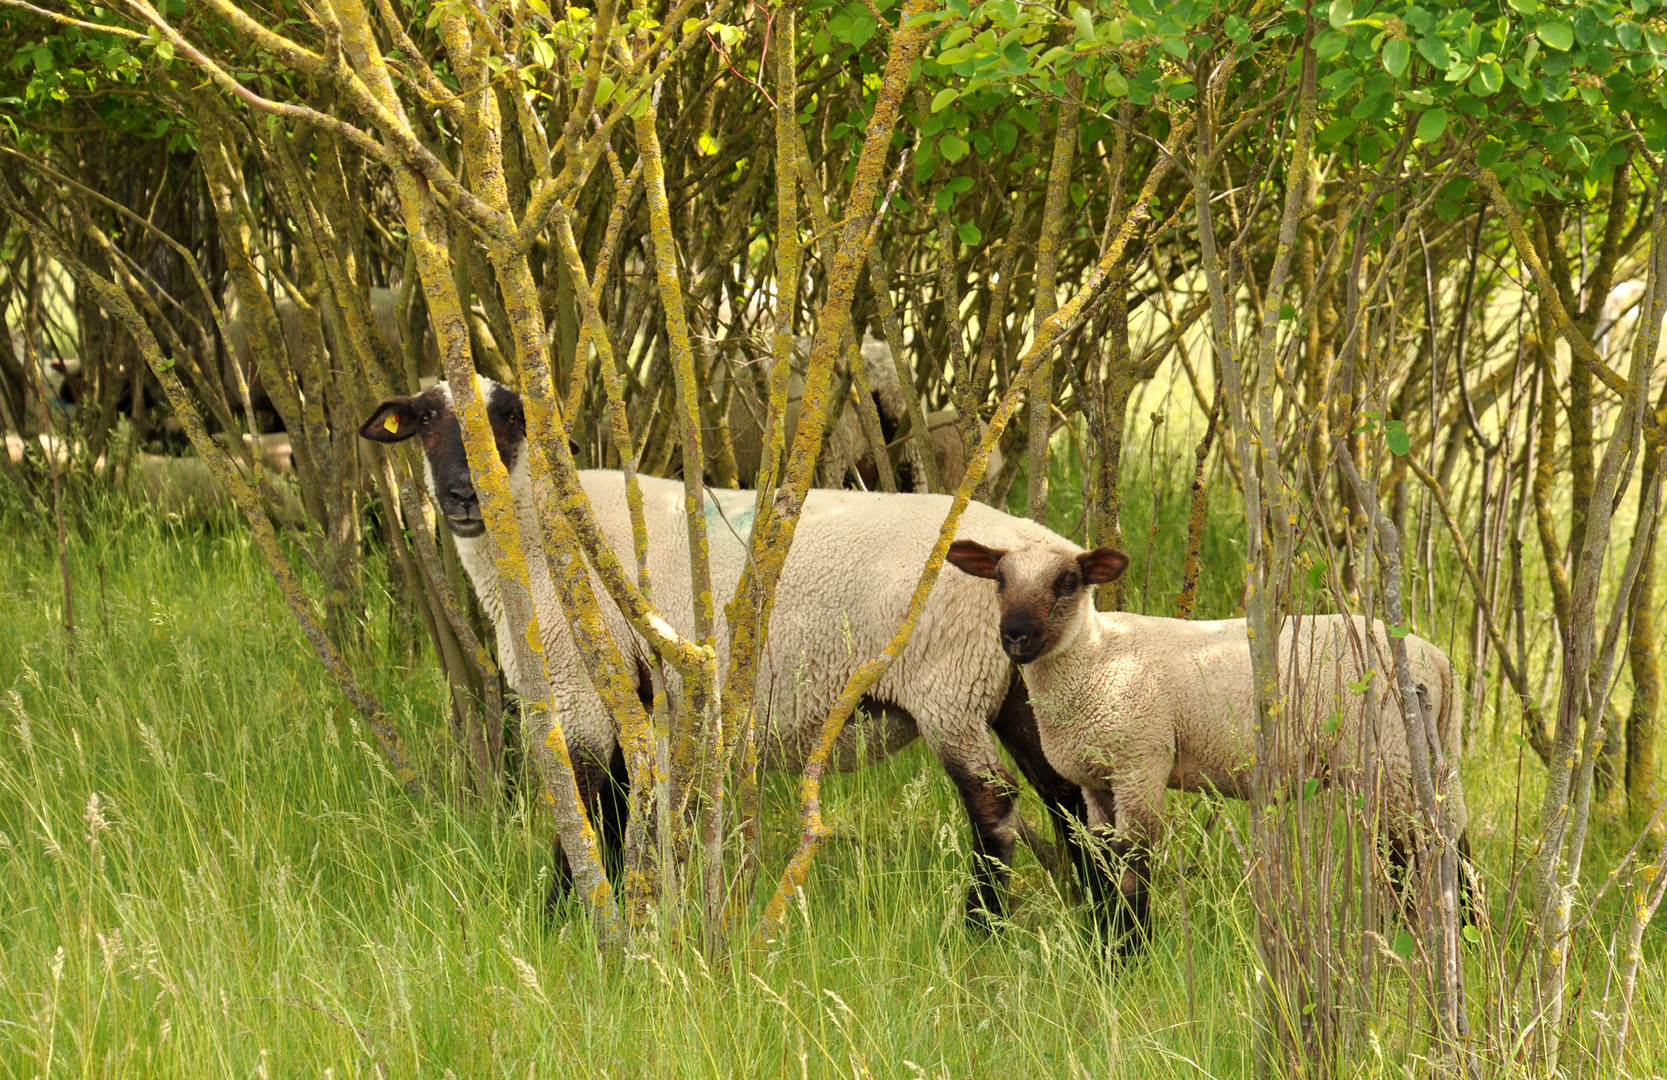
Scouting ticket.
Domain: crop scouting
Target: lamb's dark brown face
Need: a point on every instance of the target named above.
(430, 415)
(1038, 589)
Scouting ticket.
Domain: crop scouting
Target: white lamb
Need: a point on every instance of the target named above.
(844, 589)
(1128, 705)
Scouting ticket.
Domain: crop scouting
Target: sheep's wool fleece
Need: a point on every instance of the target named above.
(845, 588)
(1129, 705)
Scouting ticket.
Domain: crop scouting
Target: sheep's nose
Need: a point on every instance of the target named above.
(464, 493)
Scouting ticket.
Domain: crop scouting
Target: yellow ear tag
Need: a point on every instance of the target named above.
(392, 424)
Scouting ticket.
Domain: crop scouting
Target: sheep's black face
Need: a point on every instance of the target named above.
(1038, 589)
(430, 414)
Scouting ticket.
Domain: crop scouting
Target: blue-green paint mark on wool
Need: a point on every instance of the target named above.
(729, 513)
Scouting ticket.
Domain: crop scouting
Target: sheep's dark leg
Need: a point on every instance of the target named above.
(1400, 866)
(1466, 868)
(993, 813)
(1015, 726)
(596, 792)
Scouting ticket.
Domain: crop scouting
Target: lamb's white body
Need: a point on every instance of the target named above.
(1128, 705)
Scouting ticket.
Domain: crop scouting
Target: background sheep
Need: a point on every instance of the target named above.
(1127, 705)
(844, 589)
(847, 458)
(390, 324)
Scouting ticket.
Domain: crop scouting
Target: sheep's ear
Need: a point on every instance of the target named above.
(1102, 565)
(393, 421)
(971, 557)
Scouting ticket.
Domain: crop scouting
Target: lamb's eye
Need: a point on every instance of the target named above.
(1066, 584)
(425, 418)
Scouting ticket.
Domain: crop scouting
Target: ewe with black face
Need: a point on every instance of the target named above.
(1127, 705)
(845, 588)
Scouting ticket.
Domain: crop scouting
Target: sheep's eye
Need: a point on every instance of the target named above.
(425, 417)
(1067, 583)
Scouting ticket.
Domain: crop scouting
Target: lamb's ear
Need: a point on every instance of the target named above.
(1102, 565)
(971, 557)
(393, 421)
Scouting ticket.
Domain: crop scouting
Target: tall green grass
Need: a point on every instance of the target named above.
(206, 871)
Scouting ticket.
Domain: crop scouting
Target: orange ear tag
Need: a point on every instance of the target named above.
(392, 424)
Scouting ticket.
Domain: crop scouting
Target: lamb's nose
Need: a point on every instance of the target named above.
(1022, 641)
(462, 492)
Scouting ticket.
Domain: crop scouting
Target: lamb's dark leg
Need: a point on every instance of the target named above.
(1015, 726)
(1118, 870)
(993, 814)
(1131, 923)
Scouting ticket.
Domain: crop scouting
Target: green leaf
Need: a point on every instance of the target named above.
(1341, 12)
(1316, 574)
(1471, 934)
(1085, 24)
(1332, 722)
(1404, 945)
(1396, 55)
(1399, 631)
(1434, 52)
(970, 235)
(1431, 125)
(1492, 75)
(1115, 84)
(604, 90)
(1236, 29)
(1525, 7)
(1359, 686)
(1331, 44)
(952, 147)
(1311, 787)
(1337, 131)
(943, 97)
(1394, 431)
(1556, 34)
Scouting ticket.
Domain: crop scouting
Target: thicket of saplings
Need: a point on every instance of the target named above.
(1306, 310)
